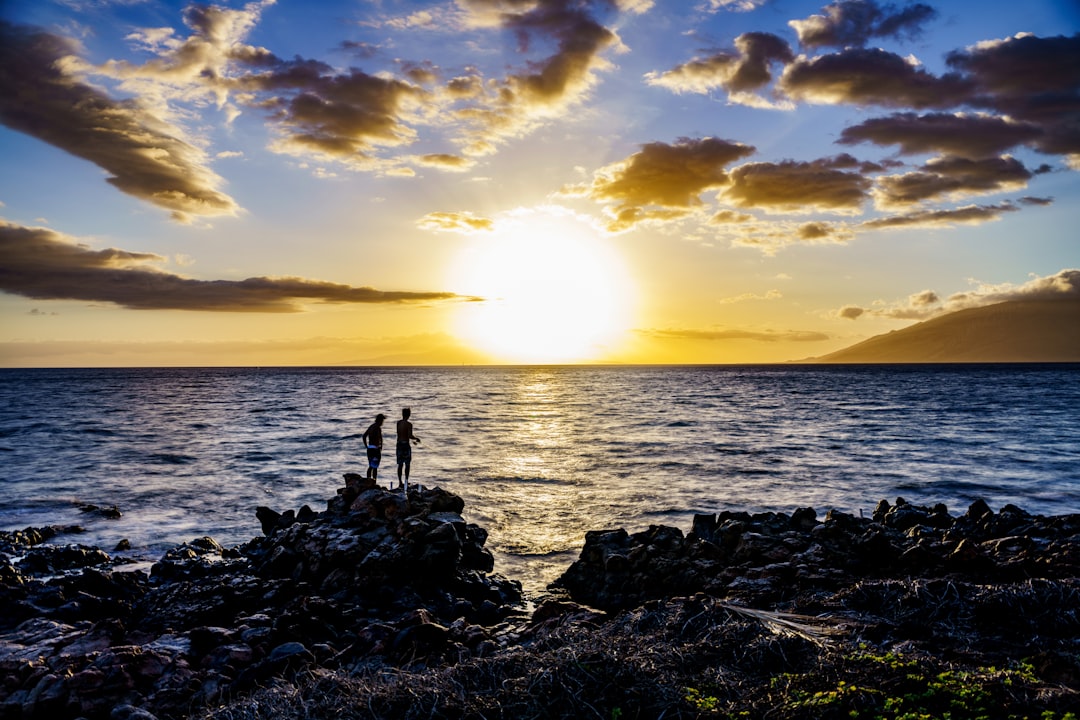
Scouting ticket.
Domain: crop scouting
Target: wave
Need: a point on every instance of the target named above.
(171, 458)
(104, 432)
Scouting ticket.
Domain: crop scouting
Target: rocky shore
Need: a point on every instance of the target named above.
(385, 605)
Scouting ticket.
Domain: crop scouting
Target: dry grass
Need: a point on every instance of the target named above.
(699, 657)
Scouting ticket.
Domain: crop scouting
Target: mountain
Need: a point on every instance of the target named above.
(1014, 331)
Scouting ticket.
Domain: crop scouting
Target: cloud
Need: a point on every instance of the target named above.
(459, 222)
(871, 77)
(918, 306)
(628, 218)
(852, 23)
(967, 215)
(43, 264)
(343, 117)
(145, 156)
(737, 334)
(958, 134)
(671, 176)
(951, 177)
(445, 161)
(1063, 285)
(730, 217)
(713, 6)
(1032, 79)
(362, 119)
(741, 72)
(771, 237)
(770, 295)
(797, 187)
(518, 103)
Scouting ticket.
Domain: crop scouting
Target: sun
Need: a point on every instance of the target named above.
(555, 290)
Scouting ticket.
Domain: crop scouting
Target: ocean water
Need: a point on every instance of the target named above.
(540, 454)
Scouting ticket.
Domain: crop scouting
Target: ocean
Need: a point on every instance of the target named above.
(540, 454)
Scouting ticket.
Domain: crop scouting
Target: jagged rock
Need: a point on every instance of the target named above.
(770, 557)
(382, 575)
(404, 580)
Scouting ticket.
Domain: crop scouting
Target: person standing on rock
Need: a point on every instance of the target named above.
(404, 449)
(373, 442)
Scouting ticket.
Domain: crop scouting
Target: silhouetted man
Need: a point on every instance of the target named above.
(373, 442)
(404, 449)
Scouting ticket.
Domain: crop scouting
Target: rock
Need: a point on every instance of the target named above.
(112, 512)
(769, 557)
(380, 579)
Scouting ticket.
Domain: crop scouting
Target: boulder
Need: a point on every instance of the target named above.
(379, 576)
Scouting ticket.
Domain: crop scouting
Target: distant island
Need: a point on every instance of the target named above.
(1014, 331)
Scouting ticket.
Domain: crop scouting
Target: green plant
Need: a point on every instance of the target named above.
(702, 702)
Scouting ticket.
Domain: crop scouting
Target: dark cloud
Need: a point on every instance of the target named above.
(344, 116)
(516, 104)
(852, 23)
(42, 264)
(1023, 66)
(962, 135)
(1039, 201)
(795, 187)
(850, 312)
(144, 157)
(362, 50)
(951, 177)
(671, 176)
(871, 77)
(1032, 79)
(967, 215)
(844, 161)
(747, 69)
(814, 231)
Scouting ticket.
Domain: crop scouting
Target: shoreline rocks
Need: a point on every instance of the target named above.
(377, 578)
(382, 580)
(768, 559)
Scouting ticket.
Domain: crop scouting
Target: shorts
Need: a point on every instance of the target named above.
(404, 453)
(374, 455)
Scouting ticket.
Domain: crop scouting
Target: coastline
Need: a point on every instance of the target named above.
(385, 606)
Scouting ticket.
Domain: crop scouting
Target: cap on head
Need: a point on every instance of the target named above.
(380, 416)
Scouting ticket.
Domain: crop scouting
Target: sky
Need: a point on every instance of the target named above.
(366, 182)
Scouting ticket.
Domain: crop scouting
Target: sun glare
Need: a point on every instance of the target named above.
(554, 291)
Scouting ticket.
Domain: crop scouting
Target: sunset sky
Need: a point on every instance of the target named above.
(524, 181)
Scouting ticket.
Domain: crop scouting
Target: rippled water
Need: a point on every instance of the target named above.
(540, 454)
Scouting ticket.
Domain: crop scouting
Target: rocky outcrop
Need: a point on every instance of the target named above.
(767, 559)
(377, 577)
(977, 586)
(382, 580)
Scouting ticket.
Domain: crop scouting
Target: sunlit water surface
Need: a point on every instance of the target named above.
(540, 455)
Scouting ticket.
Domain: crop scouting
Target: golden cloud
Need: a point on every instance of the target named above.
(43, 264)
(145, 156)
